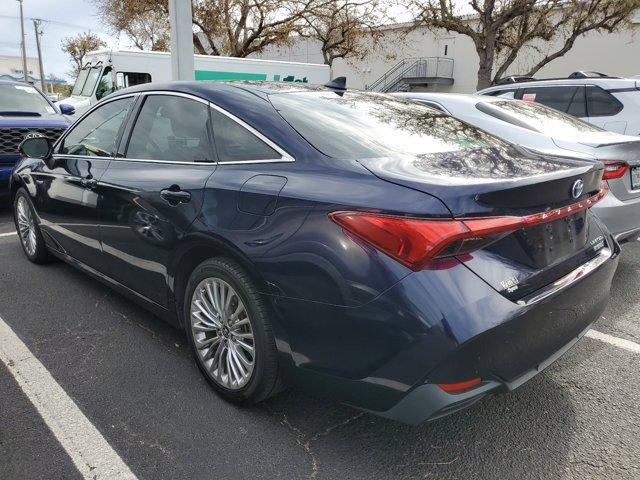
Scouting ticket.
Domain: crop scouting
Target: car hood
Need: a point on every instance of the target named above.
(29, 121)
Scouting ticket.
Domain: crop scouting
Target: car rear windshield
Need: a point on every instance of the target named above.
(537, 117)
(23, 98)
(367, 125)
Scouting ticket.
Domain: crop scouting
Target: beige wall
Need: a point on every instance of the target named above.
(615, 54)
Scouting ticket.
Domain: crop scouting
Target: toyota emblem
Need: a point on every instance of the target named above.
(577, 188)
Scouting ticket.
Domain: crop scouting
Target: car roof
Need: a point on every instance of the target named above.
(606, 82)
(209, 88)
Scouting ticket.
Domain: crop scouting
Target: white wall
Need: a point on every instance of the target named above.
(616, 54)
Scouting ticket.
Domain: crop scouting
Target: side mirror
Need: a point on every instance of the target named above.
(67, 109)
(36, 147)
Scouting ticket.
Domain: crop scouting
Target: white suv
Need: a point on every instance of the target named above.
(608, 102)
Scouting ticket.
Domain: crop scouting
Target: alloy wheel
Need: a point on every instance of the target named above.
(222, 333)
(26, 226)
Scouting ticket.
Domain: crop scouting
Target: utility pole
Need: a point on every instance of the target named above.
(36, 27)
(181, 23)
(24, 46)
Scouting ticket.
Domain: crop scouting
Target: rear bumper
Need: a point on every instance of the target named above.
(621, 218)
(429, 402)
(438, 326)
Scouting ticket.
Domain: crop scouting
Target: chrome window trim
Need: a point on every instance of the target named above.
(286, 157)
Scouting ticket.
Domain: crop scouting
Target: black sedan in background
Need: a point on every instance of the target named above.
(352, 243)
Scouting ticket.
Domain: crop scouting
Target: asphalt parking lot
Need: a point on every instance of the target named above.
(131, 376)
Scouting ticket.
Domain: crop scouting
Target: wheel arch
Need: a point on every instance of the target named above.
(196, 250)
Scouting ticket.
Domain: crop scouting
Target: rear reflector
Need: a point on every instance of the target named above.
(416, 241)
(460, 386)
(613, 170)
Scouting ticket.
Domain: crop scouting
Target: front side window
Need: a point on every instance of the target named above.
(106, 84)
(559, 98)
(601, 103)
(235, 143)
(92, 79)
(171, 128)
(23, 98)
(357, 125)
(96, 134)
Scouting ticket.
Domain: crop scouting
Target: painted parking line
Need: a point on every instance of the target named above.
(615, 341)
(8, 234)
(87, 448)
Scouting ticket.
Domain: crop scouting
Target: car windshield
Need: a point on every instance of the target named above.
(539, 118)
(82, 77)
(367, 125)
(92, 79)
(23, 98)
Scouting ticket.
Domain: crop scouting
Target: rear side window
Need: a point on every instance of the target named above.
(171, 128)
(601, 103)
(568, 99)
(96, 134)
(235, 143)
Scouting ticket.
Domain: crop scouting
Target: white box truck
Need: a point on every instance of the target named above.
(106, 71)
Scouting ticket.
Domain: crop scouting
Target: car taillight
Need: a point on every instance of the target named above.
(415, 242)
(613, 169)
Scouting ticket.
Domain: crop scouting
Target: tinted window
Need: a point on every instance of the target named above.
(171, 128)
(555, 97)
(106, 85)
(235, 143)
(578, 105)
(23, 98)
(96, 133)
(602, 103)
(361, 125)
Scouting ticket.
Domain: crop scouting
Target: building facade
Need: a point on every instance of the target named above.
(447, 62)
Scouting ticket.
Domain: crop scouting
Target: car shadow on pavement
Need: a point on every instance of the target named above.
(526, 433)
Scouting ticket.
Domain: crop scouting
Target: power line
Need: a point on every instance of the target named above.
(66, 24)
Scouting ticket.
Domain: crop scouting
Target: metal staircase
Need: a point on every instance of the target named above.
(415, 71)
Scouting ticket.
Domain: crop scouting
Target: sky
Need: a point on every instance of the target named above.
(62, 18)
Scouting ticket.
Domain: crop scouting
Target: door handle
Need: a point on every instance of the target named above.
(174, 197)
(89, 182)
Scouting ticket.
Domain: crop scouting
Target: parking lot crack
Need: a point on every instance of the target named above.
(303, 439)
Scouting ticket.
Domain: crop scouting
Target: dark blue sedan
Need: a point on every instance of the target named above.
(24, 110)
(358, 245)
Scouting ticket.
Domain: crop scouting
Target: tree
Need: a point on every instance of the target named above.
(144, 22)
(77, 47)
(238, 28)
(501, 29)
(235, 28)
(344, 29)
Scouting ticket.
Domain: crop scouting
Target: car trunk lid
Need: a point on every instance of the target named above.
(512, 183)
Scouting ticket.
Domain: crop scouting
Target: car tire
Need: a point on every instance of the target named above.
(25, 219)
(221, 345)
